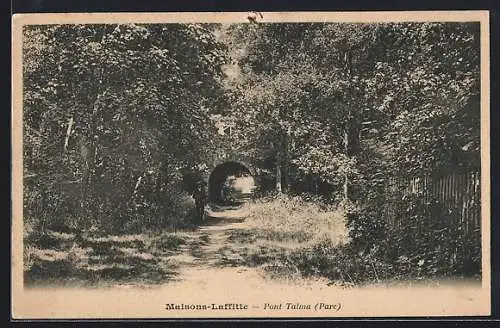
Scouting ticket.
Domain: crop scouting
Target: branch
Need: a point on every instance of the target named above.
(68, 133)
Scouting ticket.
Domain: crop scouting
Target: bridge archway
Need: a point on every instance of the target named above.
(220, 173)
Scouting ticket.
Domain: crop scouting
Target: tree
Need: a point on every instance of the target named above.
(303, 78)
(357, 105)
(116, 107)
(427, 86)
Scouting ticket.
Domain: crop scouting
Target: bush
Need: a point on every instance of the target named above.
(428, 241)
(340, 263)
(424, 245)
(367, 226)
(176, 211)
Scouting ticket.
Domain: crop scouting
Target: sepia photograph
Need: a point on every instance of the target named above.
(250, 165)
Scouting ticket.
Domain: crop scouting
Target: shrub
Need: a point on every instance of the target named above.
(340, 263)
(424, 245)
(428, 241)
(367, 226)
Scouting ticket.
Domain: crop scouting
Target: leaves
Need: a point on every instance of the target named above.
(405, 93)
(337, 102)
(129, 89)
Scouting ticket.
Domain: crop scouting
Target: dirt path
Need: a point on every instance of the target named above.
(207, 267)
(211, 270)
(201, 258)
(203, 246)
(210, 257)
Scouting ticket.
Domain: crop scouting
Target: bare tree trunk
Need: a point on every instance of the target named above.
(286, 159)
(346, 148)
(278, 173)
(348, 127)
(137, 185)
(278, 166)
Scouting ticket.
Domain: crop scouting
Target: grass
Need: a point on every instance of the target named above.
(292, 238)
(287, 237)
(271, 237)
(62, 258)
(280, 229)
(292, 221)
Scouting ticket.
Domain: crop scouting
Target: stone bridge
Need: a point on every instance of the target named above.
(223, 166)
(226, 161)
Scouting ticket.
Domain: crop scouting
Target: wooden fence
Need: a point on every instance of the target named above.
(458, 193)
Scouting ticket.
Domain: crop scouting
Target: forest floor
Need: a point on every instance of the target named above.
(138, 275)
(216, 251)
(236, 258)
(211, 258)
(227, 252)
(225, 260)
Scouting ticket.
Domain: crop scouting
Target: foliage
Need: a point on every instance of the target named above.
(286, 235)
(355, 105)
(430, 86)
(428, 240)
(424, 245)
(332, 99)
(102, 109)
(115, 115)
(298, 108)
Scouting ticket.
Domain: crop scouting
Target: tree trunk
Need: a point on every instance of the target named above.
(68, 134)
(278, 173)
(352, 149)
(346, 149)
(286, 161)
(351, 132)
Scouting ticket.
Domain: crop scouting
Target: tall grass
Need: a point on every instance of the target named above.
(295, 221)
(289, 236)
(279, 233)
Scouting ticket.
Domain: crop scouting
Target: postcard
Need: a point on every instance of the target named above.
(250, 165)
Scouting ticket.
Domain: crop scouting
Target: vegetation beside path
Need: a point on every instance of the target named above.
(283, 237)
(290, 237)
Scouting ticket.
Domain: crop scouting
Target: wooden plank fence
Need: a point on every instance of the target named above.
(458, 193)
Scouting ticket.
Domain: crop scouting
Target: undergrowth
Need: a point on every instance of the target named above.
(288, 236)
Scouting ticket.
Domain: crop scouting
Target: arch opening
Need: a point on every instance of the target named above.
(230, 183)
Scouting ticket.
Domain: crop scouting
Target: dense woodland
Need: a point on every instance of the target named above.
(115, 115)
